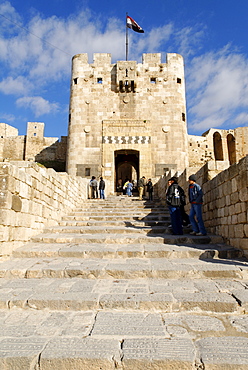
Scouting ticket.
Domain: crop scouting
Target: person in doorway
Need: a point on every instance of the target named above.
(174, 195)
(94, 187)
(141, 186)
(119, 186)
(129, 188)
(149, 187)
(102, 188)
(196, 200)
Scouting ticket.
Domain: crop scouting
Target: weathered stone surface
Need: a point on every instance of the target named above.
(133, 305)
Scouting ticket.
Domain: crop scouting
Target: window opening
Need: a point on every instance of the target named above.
(99, 80)
(126, 72)
(153, 80)
(87, 171)
(183, 117)
(179, 80)
(75, 81)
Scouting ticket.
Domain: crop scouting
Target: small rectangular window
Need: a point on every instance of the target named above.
(35, 134)
(153, 80)
(183, 117)
(179, 80)
(99, 80)
(75, 81)
(87, 171)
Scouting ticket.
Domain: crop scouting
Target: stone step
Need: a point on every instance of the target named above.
(119, 214)
(125, 268)
(121, 218)
(114, 223)
(110, 238)
(91, 340)
(168, 295)
(128, 229)
(149, 250)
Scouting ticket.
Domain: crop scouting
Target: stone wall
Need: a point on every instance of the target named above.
(225, 208)
(226, 204)
(32, 197)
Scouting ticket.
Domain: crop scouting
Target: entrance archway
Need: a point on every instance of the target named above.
(231, 148)
(218, 150)
(126, 166)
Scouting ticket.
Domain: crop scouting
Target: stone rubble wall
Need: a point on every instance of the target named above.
(225, 208)
(32, 197)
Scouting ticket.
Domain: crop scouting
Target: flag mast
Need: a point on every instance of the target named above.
(126, 38)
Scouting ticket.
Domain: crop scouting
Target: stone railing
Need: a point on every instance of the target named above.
(32, 197)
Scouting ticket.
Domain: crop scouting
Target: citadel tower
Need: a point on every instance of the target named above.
(127, 119)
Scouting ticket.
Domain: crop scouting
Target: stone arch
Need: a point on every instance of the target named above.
(231, 147)
(218, 148)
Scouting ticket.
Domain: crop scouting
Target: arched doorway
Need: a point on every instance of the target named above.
(218, 149)
(231, 148)
(126, 166)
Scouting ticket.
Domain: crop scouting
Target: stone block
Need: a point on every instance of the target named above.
(16, 203)
(243, 194)
(239, 231)
(5, 199)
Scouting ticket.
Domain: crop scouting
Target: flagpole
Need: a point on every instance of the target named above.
(126, 39)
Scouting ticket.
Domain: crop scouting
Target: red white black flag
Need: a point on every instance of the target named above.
(133, 25)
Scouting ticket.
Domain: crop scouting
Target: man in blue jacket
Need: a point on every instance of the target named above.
(196, 200)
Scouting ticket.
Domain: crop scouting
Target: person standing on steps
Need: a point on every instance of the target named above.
(94, 187)
(149, 187)
(102, 188)
(141, 185)
(174, 194)
(129, 188)
(196, 200)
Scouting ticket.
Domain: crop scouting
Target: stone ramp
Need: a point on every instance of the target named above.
(80, 296)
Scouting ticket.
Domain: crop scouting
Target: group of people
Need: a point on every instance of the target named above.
(175, 198)
(129, 186)
(94, 187)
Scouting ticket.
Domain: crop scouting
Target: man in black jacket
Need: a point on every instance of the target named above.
(174, 196)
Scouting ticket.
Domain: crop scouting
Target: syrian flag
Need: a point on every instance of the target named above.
(134, 25)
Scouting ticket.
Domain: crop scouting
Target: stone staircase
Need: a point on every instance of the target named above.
(111, 288)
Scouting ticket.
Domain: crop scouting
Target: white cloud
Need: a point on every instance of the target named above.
(241, 119)
(189, 39)
(218, 88)
(7, 117)
(15, 86)
(37, 104)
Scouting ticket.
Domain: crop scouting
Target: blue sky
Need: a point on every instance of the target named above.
(39, 38)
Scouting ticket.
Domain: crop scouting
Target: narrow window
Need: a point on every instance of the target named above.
(132, 86)
(179, 80)
(35, 134)
(99, 80)
(183, 117)
(153, 80)
(87, 171)
(75, 81)
(126, 73)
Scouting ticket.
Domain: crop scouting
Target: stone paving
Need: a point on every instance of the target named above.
(111, 288)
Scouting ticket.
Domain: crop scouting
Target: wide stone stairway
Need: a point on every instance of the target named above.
(112, 288)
